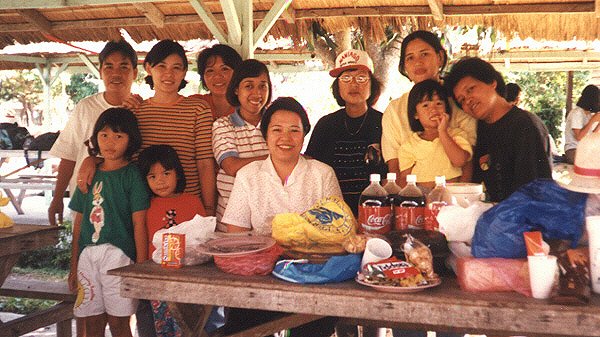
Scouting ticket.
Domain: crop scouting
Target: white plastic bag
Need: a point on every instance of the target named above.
(197, 231)
(458, 224)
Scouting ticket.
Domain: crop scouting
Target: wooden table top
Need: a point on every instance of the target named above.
(22, 238)
(445, 307)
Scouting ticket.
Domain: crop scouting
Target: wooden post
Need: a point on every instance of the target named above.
(569, 104)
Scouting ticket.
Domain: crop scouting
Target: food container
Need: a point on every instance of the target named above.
(435, 241)
(173, 250)
(466, 193)
(257, 263)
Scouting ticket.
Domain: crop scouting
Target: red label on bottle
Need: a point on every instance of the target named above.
(409, 217)
(431, 212)
(375, 219)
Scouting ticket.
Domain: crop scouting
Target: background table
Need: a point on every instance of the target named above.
(443, 308)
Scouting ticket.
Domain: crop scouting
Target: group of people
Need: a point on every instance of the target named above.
(236, 155)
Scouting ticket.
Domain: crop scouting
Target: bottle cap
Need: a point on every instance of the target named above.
(411, 178)
(440, 180)
(391, 176)
(375, 177)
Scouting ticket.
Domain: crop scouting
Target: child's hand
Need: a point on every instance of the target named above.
(132, 101)
(443, 120)
(73, 282)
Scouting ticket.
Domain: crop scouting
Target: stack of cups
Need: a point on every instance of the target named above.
(593, 229)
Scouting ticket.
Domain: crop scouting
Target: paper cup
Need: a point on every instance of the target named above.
(376, 250)
(593, 229)
(542, 275)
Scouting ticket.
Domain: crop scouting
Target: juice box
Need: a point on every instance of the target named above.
(173, 250)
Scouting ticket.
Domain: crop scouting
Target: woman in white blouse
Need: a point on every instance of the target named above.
(285, 181)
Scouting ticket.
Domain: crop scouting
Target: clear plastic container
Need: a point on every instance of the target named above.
(410, 212)
(436, 199)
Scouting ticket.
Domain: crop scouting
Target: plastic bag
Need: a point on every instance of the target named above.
(493, 274)
(336, 269)
(458, 223)
(420, 256)
(541, 205)
(197, 231)
(321, 229)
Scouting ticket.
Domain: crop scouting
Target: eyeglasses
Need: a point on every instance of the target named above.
(360, 79)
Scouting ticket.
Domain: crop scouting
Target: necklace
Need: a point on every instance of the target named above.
(360, 127)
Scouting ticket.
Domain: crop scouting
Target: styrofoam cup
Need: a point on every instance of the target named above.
(542, 275)
(375, 250)
(592, 224)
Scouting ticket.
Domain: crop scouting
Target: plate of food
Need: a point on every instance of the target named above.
(394, 286)
(236, 245)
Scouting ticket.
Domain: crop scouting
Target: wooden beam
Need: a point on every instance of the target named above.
(437, 9)
(152, 13)
(267, 23)
(91, 66)
(232, 19)
(37, 19)
(289, 15)
(597, 8)
(209, 20)
(247, 21)
(33, 4)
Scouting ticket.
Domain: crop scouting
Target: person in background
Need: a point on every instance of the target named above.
(282, 183)
(512, 144)
(581, 119)
(422, 57)
(349, 139)
(109, 229)
(513, 93)
(433, 149)
(236, 139)
(215, 66)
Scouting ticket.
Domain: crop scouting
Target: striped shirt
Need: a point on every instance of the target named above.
(186, 126)
(233, 137)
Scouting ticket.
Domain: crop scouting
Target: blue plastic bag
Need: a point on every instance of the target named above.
(336, 269)
(541, 205)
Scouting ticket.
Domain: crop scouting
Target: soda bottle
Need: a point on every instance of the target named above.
(374, 210)
(411, 210)
(436, 199)
(393, 190)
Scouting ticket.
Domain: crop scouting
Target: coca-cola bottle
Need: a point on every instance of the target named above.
(393, 190)
(374, 210)
(436, 199)
(411, 206)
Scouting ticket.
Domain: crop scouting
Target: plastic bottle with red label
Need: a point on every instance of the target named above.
(393, 191)
(374, 209)
(410, 212)
(436, 199)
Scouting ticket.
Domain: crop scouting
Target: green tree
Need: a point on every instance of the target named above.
(545, 94)
(25, 87)
(81, 87)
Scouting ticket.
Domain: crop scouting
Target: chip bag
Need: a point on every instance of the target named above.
(321, 229)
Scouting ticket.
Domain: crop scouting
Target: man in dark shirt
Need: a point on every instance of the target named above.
(512, 144)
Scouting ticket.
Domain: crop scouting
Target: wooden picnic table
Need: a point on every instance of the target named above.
(194, 290)
(15, 181)
(14, 241)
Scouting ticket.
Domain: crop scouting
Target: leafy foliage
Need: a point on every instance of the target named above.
(55, 259)
(545, 94)
(80, 87)
(24, 306)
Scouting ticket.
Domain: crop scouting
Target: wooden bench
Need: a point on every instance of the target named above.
(24, 183)
(61, 313)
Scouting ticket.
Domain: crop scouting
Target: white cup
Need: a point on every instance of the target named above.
(542, 275)
(593, 229)
(375, 250)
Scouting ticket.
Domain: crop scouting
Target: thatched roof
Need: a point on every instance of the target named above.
(30, 21)
(99, 20)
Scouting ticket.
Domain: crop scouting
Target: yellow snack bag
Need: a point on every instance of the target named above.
(321, 229)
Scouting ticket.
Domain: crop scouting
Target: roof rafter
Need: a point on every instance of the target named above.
(232, 19)
(272, 16)
(37, 19)
(209, 20)
(437, 9)
(152, 13)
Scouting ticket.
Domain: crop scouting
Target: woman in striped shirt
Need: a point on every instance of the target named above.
(236, 139)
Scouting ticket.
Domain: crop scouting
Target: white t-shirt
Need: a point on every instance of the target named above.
(258, 194)
(577, 119)
(79, 128)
